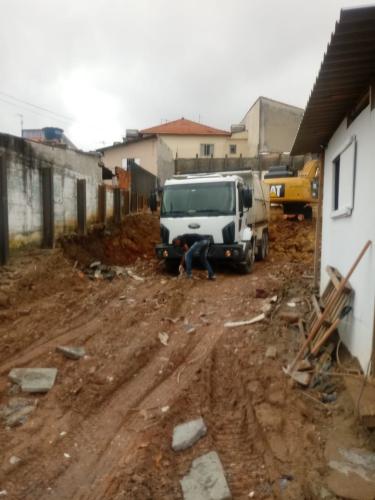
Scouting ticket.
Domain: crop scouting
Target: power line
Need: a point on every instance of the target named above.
(20, 106)
(70, 118)
(33, 111)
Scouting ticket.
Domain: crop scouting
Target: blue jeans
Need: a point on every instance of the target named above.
(200, 247)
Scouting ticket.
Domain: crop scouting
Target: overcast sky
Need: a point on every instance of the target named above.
(108, 65)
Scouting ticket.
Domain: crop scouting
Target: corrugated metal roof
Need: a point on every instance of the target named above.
(347, 70)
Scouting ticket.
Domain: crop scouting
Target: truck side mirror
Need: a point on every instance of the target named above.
(247, 196)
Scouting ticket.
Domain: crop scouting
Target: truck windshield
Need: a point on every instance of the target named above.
(194, 200)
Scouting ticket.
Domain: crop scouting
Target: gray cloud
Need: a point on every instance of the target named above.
(120, 64)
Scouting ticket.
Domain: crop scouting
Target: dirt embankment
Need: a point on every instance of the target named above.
(291, 240)
(135, 238)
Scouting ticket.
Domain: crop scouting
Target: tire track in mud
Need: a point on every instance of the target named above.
(111, 448)
(234, 428)
(107, 433)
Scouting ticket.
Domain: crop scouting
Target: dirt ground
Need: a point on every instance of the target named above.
(104, 430)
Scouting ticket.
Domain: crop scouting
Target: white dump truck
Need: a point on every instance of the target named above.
(231, 207)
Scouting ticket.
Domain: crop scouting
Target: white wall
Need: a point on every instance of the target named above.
(145, 150)
(344, 237)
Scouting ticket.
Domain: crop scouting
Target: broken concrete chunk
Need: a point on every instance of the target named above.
(271, 352)
(97, 263)
(164, 338)
(187, 434)
(302, 378)
(14, 460)
(206, 479)
(71, 352)
(17, 410)
(34, 379)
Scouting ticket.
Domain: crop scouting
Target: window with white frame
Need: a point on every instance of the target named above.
(207, 149)
(343, 180)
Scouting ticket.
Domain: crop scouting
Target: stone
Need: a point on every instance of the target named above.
(206, 479)
(271, 352)
(71, 352)
(95, 264)
(34, 379)
(14, 460)
(188, 433)
(17, 411)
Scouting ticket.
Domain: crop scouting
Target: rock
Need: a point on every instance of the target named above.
(187, 434)
(71, 352)
(14, 460)
(95, 264)
(17, 411)
(164, 338)
(206, 479)
(271, 352)
(352, 473)
(34, 379)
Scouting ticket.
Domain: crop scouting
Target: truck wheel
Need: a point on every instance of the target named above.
(308, 212)
(263, 247)
(246, 265)
(171, 266)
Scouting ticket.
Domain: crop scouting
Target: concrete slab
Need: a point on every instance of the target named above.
(34, 379)
(187, 434)
(206, 479)
(71, 352)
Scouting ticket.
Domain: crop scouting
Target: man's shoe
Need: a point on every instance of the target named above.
(212, 277)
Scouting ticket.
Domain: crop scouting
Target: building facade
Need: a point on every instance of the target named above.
(340, 120)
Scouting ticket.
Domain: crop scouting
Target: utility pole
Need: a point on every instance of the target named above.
(21, 118)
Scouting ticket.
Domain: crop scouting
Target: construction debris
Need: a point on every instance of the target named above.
(17, 411)
(326, 321)
(352, 473)
(271, 352)
(187, 434)
(164, 338)
(34, 379)
(206, 479)
(71, 352)
(233, 324)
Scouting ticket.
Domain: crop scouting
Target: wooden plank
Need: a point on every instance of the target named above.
(336, 279)
(326, 312)
(316, 306)
(326, 336)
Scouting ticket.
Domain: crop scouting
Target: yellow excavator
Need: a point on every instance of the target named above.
(298, 194)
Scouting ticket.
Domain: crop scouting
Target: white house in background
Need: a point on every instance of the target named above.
(339, 121)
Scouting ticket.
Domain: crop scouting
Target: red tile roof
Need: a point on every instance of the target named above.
(184, 127)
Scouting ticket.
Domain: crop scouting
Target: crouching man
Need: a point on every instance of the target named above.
(191, 244)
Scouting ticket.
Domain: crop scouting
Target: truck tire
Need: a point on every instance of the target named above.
(246, 266)
(171, 265)
(263, 247)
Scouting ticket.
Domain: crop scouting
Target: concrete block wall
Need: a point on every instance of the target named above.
(24, 163)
